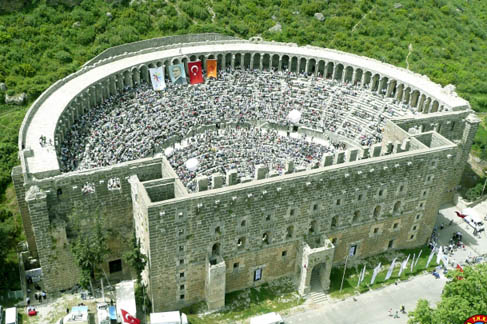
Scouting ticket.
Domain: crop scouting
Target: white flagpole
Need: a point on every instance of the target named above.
(363, 274)
(344, 269)
(412, 262)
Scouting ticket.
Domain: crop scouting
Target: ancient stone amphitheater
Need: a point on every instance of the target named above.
(385, 147)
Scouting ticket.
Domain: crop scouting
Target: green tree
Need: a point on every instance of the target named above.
(135, 258)
(89, 250)
(465, 295)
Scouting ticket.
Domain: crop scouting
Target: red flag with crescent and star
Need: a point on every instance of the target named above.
(195, 73)
(127, 318)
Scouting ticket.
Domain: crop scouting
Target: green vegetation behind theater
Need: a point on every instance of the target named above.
(43, 42)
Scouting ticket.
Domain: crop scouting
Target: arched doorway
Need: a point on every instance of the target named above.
(318, 278)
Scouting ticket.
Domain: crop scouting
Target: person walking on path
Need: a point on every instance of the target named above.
(396, 315)
(390, 312)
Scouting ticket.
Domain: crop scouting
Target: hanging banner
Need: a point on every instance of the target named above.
(430, 258)
(412, 262)
(417, 259)
(361, 276)
(439, 256)
(391, 268)
(195, 73)
(177, 74)
(403, 265)
(157, 78)
(374, 274)
(211, 68)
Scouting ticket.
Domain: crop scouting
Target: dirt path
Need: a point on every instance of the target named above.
(410, 48)
(361, 19)
(212, 13)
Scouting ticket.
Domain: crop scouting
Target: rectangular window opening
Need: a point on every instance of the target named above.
(115, 266)
(258, 274)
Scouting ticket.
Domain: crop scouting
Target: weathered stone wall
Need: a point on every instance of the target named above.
(156, 42)
(337, 201)
(59, 211)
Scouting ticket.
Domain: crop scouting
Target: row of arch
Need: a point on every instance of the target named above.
(376, 82)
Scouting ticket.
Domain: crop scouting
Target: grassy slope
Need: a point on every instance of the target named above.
(42, 44)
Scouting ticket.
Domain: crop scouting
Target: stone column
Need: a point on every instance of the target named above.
(306, 68)
(136, 76)
(280, 64)
(354, 75)
(389, 88)
(120, 83)
(224, 61)
(363, 80)
(335, 70)
(399, 93)
(113, 86)
(261, 62)
(252, 61)
(233, 61)
(317, 66)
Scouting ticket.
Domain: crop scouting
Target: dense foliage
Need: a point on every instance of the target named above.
(460, 299)
(89, 250)
(41, 43)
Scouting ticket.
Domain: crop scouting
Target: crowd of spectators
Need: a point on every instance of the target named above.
(140, 121)
(242, 149)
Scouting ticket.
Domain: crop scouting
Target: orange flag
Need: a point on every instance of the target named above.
(211, 68)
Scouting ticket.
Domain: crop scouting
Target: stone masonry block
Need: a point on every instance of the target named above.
(232, 177)
(217, 180)
(376, 150)
(261, 172)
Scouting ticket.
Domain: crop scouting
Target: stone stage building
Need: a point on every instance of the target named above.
(239, 234)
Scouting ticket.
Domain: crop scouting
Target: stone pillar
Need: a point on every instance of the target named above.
(339, 157)
(202, 183)
(306, 68)
(335, 71)
(120, 83)
(354, 75)
(289, 167)
(280, 64)
(327, 159)
(136, 76)
(261, 62)
(252, 61)
(390, 88)
(18, 181)
(37, 205)
(363, 80)
(232, 177)
(317, 66)
(217, 180)
(376, 150)
(261, 172)
(233, 62)
(215, 284)
(224, 61)
(344, 72)
(399, 93)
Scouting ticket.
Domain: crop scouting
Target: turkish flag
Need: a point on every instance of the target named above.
(127, 318)
(211, 68)
(460, 214)
(195, 73)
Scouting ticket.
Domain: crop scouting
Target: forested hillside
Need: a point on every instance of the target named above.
(42, 42)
